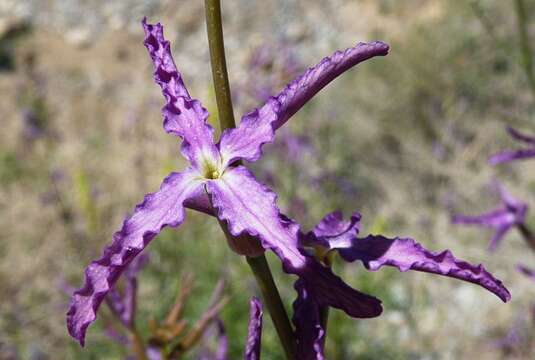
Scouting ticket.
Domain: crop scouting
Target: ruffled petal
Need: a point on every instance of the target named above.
(159, 209)
(308, 331)
(183, 116)
(250, 207)
(333, 231)
(254, 333)
(406, 254)
(257, 127)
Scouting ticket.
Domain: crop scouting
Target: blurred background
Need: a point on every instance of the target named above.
(404, 140)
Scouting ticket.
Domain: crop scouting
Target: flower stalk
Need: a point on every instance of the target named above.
(258, 264)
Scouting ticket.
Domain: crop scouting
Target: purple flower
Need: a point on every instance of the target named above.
(333, 235)
(254, 333)
(215, 183)
(511, 155)
(502, 219)
(222, 347)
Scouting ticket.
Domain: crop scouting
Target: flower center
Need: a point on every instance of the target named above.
(211, 171)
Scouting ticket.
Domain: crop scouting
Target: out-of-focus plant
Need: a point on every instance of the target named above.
(218, 184)
(511, 214)
(520, 154)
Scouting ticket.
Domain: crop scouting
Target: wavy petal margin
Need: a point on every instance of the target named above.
(250, 207)
(310, 336)
(333, 232)
(254, 333)
(158, 210)
(258, 127)
(405, 254)
(183, 116)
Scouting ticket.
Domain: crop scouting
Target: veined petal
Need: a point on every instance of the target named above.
(183, 116)
(309, 333)
(406, 254)
(257, 127)
(159, 209)
(333, 231)
(250, 207)
(254, 333)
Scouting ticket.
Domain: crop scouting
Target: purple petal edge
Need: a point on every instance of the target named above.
(258, 126)
(254, 333)
(158, 210)
(405, 254)
(183, 116)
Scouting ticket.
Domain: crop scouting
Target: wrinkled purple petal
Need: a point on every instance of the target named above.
(183, 116)
(250, 207)
(254, 333)
(511, 155)
(258, 127)
(160, 209)
(406, 254)
(333, 231)
(310, 336)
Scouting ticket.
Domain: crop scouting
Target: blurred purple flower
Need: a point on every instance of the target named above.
(512, 340)
(511, 213)
(123, 305)
(236, 197)
(511, 155)
(32, 125)
(222, 347)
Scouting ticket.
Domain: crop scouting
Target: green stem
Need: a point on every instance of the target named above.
(527, 53)
(259, 264)
(214, 28)
(274, 304)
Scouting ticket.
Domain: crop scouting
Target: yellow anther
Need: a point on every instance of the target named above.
(214, 174)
